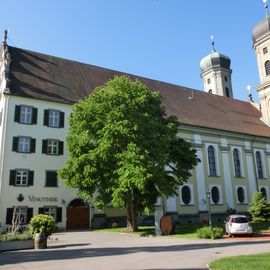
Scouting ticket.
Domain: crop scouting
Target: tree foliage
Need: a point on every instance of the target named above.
(124, 150)
(260, 209)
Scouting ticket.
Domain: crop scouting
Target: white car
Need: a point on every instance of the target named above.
(238, 224)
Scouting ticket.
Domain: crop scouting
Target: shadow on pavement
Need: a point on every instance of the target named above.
(15, 257)
(68, 245)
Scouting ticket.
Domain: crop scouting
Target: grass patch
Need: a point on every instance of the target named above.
(181, 230)
(142, 230)
(248, 262)
(188, 230)
(14, 237)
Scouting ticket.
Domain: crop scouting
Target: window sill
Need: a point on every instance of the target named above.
(245, 203)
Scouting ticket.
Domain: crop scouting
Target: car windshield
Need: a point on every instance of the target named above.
(240, 220)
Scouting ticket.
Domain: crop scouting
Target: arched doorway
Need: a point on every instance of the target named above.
(78, 215)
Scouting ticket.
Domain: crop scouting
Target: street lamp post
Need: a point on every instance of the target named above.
(209, 208)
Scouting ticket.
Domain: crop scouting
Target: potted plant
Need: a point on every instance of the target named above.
(41, 226)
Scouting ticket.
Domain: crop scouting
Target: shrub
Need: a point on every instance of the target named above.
(208, 233)
(13, 237)
(42, 223)
(260, 209)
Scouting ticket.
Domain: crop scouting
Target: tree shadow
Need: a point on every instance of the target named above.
(92, 252)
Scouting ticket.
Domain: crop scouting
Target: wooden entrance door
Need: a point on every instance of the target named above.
(78, 214)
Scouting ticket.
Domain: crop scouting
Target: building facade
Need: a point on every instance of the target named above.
(232, 137)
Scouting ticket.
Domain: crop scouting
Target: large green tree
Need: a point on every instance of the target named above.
(124, 150)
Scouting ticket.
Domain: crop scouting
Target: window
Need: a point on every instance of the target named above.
(259, 164)
(241, 195)
(52, 147)
(225, 78)
(265, 50)
(186, 195)
(25, 114)
(22, 212)
(264, 192)
(227, 92)
(215, 196)
(51, 179)
(208, 80)
(212, 161)
(24, 144)
(236, 163)
(51, 211)
(267, 67)
(21, 177)
(54, 211)
(210, 91)
(54, 118)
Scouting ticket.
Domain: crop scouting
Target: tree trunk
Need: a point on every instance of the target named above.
(131, 216)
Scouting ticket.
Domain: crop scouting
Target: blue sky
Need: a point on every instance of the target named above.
(159, 39)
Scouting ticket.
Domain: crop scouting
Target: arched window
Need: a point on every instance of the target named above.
(259, 164)
(241, 195)
(186, 194)
(212, 161)
(267, 67)
(236, 162)
(210, 91)
(215, 195)
(264, 192)
(227, 92)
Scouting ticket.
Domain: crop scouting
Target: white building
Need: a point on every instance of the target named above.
(232, 137)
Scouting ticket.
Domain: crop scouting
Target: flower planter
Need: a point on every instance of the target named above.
(17, 244)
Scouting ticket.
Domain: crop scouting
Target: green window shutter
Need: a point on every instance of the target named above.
(17, 114)
(12, 177)
(46, 118)
(30, 178)
(41, 210)
(44, 147)
(15, 144)
(34, 116)
(32, 145)
(60, 148)
(9, 216)
(59, 214)
(29, 214)
(62, 119)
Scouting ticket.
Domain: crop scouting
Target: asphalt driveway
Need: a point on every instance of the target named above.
(105, 251)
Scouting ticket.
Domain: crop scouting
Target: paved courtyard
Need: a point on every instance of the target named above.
(107, 251)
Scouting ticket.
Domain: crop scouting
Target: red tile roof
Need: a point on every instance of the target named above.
(39, 76)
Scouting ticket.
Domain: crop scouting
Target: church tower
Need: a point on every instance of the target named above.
(261, 45)
(216, 73)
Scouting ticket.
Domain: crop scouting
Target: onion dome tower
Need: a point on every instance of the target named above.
(261, 45)
(216, 73)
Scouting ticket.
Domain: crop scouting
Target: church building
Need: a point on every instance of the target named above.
(232, 137)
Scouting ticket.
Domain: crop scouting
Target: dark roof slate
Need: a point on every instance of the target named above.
(40, 76)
